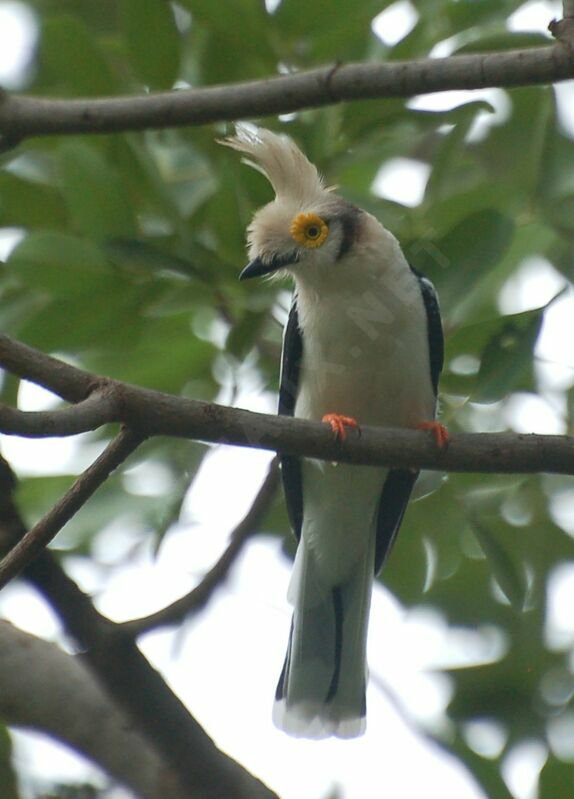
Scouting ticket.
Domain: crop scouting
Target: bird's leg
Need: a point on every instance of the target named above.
(338, 424)
(438, 430)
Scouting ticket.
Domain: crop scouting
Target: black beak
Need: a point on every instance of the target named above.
(258, 268)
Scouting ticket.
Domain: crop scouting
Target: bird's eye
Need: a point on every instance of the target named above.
(309, 230)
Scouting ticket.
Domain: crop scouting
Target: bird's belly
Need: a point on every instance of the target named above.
(384, 382)
(366, 355)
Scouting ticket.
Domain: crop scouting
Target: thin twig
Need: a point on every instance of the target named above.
(35, 116)
(196, 599)
(97, 409)
(36, 539)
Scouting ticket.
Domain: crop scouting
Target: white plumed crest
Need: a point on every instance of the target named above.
(276, 156)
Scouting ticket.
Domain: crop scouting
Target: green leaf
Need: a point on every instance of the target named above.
(461, 258)
(449, 159)
(306, 25)
(28, 204)
(555, 780)
(504, 690)
(39, 494)
(161, 353)
(244, 334)
(137, 253)
(8, 781)
(427, 549)
(516, 148)
(153, 41)
(556, 185)
(73, 59)
(62, 265)
(504, 347)
(109, 314)
(507, 358)
(511, 580)
(504, 40)
(479, 12)
(487, 773)
(232, 45)
(97, 201)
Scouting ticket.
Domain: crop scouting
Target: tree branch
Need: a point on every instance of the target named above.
(96, 410)
(563, 29)
(36, 539)
(189, 755)
(47, 690)
(153, 413)
(66, 381)
(196, 599)
(34, 116)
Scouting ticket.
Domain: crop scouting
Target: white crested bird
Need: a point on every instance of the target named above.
(363, 344)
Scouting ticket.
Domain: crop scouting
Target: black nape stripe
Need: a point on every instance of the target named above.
(350, 224)
(338, 609)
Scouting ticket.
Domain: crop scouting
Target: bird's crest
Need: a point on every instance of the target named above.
(276, 156)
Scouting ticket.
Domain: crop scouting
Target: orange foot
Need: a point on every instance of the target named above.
(338, 424)
(438, 430)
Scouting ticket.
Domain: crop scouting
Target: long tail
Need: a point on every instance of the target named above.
(321, 689)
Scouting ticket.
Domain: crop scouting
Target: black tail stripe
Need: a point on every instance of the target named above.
(338, 653)
(281, 690)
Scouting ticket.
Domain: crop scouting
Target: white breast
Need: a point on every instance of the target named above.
(365, 351)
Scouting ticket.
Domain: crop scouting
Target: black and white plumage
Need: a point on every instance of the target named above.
(363, 340)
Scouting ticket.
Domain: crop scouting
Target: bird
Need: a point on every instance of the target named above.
(363, 345)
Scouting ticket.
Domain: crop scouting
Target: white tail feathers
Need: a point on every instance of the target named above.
(276, 156)
(321, 691)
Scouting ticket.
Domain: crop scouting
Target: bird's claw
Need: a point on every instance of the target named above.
(438, 430)
(338, 424)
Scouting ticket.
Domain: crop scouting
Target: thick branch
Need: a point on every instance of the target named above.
(196, 599)
(46, 690)
(34, 116)
(140, 691)
(153, 413)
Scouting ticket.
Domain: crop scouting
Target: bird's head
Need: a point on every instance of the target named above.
(306, 228)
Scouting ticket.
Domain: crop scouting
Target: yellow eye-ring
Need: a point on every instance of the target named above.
(309, 230)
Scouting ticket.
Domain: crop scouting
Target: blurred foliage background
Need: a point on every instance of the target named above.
(126, 262)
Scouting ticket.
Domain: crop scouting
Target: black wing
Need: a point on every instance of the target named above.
(434, 327)
(289, 381)
(399, 483)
